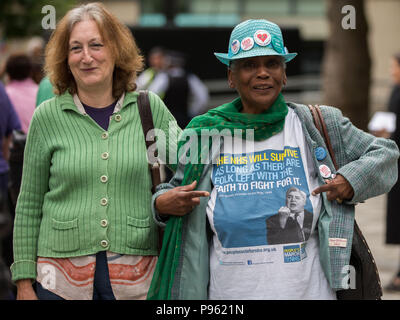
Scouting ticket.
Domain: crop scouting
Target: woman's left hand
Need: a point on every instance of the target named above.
(336, 189)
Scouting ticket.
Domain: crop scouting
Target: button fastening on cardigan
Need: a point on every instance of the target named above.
(104, 243)
(104, 201)
(104, 223)
(104, 135)
(104, 155)
(104, 178)
(118, 117)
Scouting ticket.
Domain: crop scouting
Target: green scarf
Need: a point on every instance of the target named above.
(227, 116)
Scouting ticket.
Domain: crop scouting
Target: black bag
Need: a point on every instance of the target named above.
(368, 284)
(5, 219)
(5, 230)
(16, 162)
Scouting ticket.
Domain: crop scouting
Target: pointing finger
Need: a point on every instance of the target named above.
(324, 188)
(189, 187)
(197, 194)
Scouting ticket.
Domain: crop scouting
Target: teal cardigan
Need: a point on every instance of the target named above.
(85, 189)
(367, 162)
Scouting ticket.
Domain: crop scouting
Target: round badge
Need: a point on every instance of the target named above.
(247, 43)
(235, 46)
(320, 153)
(325, 171)
(262, 38)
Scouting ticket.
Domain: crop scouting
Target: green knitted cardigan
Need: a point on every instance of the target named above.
(85, 189)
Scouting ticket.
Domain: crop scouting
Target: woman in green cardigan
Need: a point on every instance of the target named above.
(83, 226)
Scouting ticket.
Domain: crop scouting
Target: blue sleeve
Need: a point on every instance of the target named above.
(10, 119)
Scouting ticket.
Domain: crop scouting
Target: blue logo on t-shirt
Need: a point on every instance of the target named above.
(294, 253)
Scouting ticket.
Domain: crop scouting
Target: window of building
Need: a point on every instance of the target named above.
(223, 12)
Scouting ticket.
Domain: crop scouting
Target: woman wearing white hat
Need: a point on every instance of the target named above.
(216, 240)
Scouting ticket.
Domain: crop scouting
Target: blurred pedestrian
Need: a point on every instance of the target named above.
(45, 91)
(393, 216)
(156, 61)
(83, 225)
(21, 89)
(183, 92)
(35, 51)
(8, 123)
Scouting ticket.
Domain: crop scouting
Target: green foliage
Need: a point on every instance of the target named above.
(22, 18)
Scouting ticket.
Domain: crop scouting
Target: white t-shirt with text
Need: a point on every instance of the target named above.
(264, 218)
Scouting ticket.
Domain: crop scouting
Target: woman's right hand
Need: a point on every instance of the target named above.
(25, 290)
(180, 200)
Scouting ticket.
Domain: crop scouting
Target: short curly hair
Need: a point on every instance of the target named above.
(127, 56)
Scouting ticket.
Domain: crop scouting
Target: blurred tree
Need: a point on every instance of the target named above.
(347, 62)
(22, 18)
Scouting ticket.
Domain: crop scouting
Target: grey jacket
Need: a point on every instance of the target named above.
(367, 162)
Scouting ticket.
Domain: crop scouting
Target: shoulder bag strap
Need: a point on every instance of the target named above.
(321, 126)
(146, 118)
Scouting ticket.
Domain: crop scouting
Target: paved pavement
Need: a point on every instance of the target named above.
(371, 218)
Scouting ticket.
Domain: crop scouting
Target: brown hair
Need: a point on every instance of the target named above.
(18, 66)
(128, 60)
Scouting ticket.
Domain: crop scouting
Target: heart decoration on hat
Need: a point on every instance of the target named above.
(253, 38)
(262, 38)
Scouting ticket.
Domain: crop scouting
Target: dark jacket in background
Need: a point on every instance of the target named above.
(393, 204)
